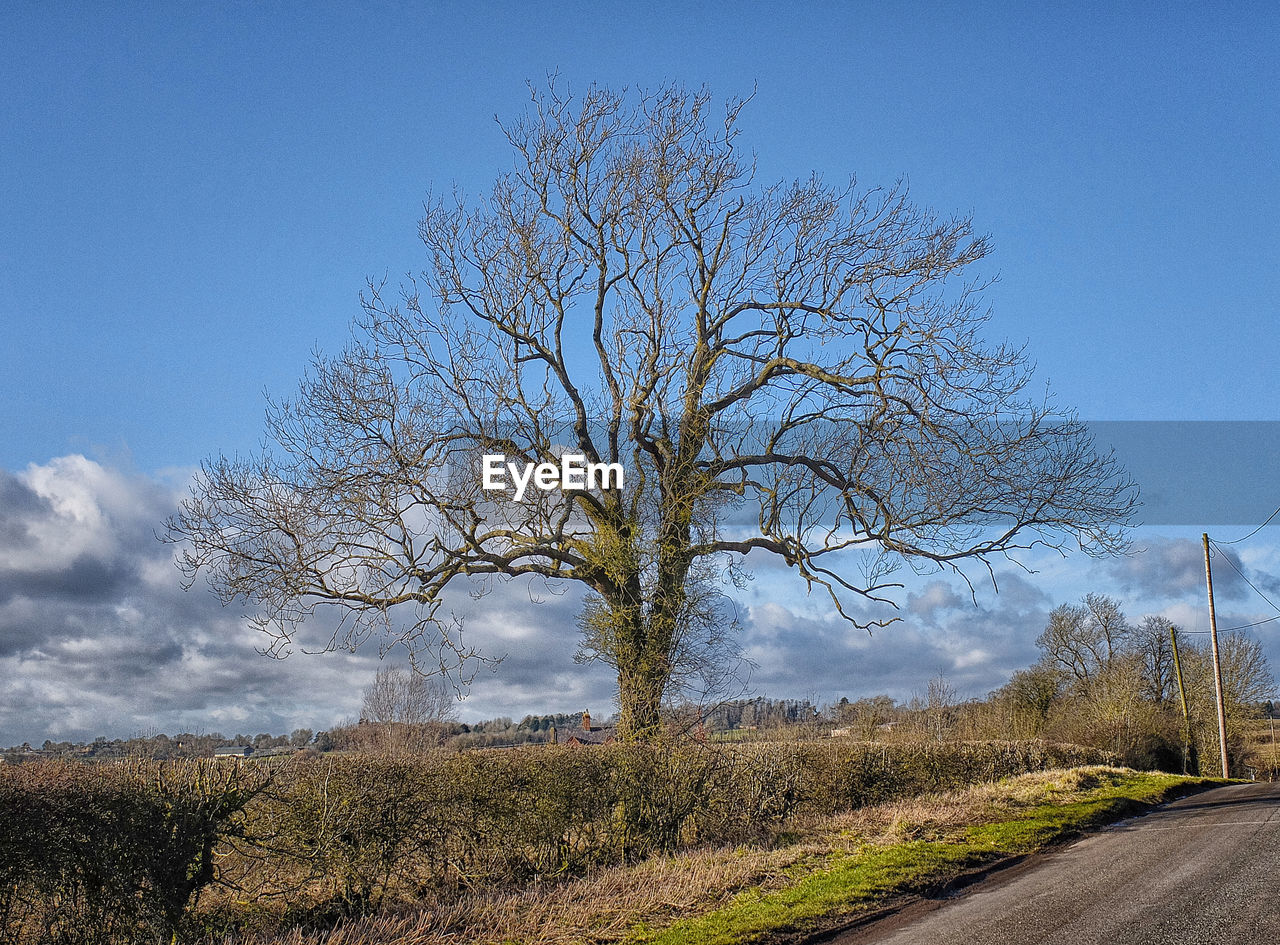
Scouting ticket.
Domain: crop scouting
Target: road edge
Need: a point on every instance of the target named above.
(860, 890)
(1005, 869)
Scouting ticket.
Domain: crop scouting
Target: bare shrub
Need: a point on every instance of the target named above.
(112, 853)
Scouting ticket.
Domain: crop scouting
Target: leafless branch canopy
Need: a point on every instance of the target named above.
(790, 369)
(397, 695)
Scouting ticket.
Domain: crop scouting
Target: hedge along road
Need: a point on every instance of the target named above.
(1205, 869)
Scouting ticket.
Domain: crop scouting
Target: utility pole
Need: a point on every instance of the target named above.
(1217, 665)
(1182, 694)
(1274, 762)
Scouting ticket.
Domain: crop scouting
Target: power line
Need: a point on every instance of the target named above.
(1227, 558)
(1243, 626)
(1237, 541)
(1246, 626)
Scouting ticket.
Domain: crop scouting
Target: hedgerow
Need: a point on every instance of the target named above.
(122, 853)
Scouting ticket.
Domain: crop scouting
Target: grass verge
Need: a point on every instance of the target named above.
(830, 891)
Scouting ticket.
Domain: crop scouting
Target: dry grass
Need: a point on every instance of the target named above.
(913, 818)
(597, 908)
(605, 906)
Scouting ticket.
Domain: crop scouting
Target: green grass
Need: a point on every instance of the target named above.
(836, 888)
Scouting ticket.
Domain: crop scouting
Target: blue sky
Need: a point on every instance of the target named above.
(192, 197)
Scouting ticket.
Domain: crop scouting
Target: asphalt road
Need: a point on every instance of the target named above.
(1205, 869)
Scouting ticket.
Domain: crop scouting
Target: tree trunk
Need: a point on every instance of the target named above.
(640, 698)
(643, 666)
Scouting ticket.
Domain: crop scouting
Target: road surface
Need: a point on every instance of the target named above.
(1204, 870)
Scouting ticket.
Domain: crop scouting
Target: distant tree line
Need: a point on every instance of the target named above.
(1101, 682)
(351, 736)
(160, 747)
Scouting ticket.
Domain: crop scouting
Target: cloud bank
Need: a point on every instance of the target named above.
(97, 636)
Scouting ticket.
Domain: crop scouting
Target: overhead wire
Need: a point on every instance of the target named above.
(1236, 541)
(1246, 626)
(1243, 626)
(1227, 558)
(1257, 623)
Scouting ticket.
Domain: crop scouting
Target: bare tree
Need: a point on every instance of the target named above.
(1246, 673)
(404, 711)
(1246, 682)
(1084, 639)
(1067, 642)
(792, 371)
(398, 695)
(939, 707)
(1155, 647)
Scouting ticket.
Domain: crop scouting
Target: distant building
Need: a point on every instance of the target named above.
(233, 751)
(591, 735)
